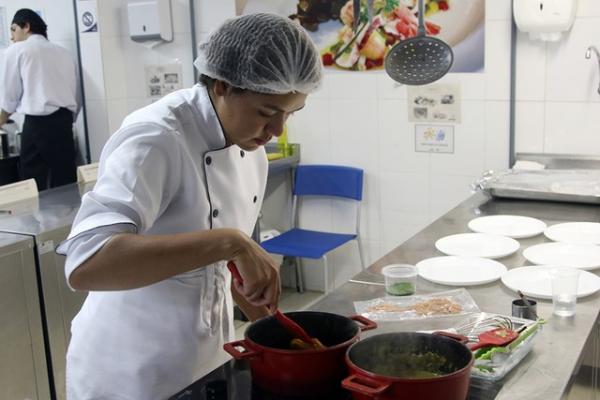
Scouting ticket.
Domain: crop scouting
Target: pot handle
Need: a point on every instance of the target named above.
(459, 338)
(239, 355)
(365, 385)
(367, 324)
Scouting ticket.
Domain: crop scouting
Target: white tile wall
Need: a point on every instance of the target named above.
(572, 128)
(117, 111)
(588, 8)
(498, 10)
(114, 67)
(397, 139)
(557, 105)
(353, 131)
(469, 143)
(406, 192)
(447, 191)
(497, 59)
(529, 126)
(572, 77)
(530, 68)
(97, 122)
(496, 126)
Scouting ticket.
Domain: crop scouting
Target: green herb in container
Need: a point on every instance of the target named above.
(400, 279)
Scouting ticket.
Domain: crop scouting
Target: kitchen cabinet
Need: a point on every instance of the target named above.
(47, 225)
(23, 369)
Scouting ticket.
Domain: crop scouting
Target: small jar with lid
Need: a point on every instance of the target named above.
(400, 279)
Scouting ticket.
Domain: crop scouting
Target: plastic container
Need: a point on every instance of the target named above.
(400, 279)
(497, 365)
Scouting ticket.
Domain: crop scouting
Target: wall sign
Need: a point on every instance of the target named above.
(434, 138)
(434, 103)
(163, 79)
(87, 14)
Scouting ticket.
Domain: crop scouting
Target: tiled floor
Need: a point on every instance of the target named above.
(291, 300)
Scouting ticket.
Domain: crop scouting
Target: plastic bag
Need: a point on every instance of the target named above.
(434, 305)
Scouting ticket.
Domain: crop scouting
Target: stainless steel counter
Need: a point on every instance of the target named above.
(546, 373)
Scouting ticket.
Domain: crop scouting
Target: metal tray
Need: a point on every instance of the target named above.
(577, 185)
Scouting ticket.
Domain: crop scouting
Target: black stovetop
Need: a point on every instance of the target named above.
(233, 381)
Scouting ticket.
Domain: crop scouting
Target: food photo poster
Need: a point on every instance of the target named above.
(330, 23)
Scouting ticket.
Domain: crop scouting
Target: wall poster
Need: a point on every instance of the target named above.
(460, 23)
(434, 139)
(434, 103)
(163, 79)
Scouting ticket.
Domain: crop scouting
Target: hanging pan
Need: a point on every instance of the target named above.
(419, 60)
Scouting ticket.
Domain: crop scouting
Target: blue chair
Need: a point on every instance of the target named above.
(319, 180)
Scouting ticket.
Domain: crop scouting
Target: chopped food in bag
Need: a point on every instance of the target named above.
(449, 303)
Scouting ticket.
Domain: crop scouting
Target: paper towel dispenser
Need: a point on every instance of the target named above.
(544, 19)
(150, 20)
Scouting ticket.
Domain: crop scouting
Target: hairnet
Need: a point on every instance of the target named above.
(265, 53)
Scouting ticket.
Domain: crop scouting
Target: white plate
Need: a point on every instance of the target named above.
(575, 232)
(477, 245)
(514, 226)
(460, 271)
(583, 256)
(536, 281)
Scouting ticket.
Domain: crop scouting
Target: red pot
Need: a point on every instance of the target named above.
(279, 370)
(367, 358)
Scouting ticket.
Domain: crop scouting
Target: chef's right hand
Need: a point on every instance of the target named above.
(261, 285)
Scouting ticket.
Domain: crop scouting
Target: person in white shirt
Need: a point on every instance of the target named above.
(40, 81)
(180, 186)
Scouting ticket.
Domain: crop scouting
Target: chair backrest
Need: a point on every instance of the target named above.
(329, 180)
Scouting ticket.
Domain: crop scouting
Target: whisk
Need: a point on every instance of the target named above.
(474, 328)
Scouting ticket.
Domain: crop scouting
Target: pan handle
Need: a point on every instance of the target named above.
(459, 338)
(231, 348)
(365, 323)
(366, 386)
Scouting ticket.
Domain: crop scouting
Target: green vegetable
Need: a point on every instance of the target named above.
(486, 353)
(409, 365)
(401, 288)
(484, 368)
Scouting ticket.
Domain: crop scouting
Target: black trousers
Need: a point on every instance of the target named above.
(48, 149)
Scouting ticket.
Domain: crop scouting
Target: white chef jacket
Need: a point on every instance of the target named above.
(38, 78)
(166, 170)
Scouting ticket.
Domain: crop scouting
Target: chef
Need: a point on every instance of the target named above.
(180, 186)
(39, 80)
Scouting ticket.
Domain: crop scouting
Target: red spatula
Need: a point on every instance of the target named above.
(287, 323)
(495, 337)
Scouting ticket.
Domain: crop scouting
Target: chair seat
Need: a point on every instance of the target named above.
(305, 243)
